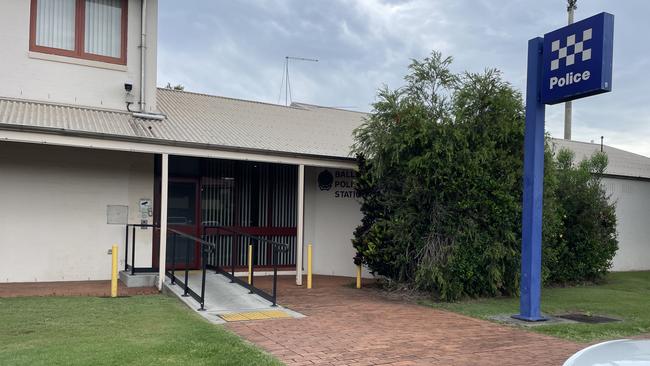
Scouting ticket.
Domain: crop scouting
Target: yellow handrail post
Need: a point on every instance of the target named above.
(309, 264)
(250, 263)
(114, 271)
(359, 276)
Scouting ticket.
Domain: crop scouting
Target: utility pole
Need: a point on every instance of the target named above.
(568, 106)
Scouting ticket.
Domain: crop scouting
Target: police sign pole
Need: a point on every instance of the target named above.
(569, 63)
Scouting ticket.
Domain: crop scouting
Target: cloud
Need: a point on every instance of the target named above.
(237, 49)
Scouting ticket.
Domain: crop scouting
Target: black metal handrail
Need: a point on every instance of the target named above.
(206, 248)
(277, 247)
(132, 266)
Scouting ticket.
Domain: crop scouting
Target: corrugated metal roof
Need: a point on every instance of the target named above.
(225, 121)
(621, 162)
(204, 119)
(67, 118)
(201, 119)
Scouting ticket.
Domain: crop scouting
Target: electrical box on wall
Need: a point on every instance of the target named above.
(117, 214)
(146, 210)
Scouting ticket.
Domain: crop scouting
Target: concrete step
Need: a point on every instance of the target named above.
(138, 279)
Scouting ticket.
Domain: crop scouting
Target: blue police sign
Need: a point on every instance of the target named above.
(577, 60)
(569, 63)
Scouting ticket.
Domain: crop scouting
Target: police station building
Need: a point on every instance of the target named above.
(72, 178)
(93, 154)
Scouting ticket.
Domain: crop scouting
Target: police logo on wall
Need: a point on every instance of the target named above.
(339, 184)
(325, 180)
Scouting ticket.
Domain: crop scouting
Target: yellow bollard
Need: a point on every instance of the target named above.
(114, 272)
(359, 276)
(309, 268)
(250, 263)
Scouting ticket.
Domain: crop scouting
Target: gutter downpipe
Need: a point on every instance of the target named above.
(143, 48)
(142, 113)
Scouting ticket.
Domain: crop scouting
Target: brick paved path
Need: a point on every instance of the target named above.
(345, 326)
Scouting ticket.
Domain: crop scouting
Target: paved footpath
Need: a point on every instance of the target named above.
(345, 326)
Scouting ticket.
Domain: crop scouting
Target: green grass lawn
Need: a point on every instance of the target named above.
(624, 295)
(140, 330)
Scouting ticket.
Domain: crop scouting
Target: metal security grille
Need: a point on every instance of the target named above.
(253, 198)
(218, 205)
(284, 199)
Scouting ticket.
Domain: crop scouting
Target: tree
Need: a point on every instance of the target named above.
(587, 239)
(440, 182)
(440, 159)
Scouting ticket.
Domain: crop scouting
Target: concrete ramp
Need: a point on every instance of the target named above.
(225, 300)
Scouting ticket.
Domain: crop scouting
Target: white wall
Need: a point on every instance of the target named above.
(330, 219)
(34, 76)
(632, 199)
(53, 218)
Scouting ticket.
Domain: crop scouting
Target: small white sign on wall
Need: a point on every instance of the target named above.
(117, 214)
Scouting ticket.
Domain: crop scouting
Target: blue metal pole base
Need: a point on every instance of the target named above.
(530, 319)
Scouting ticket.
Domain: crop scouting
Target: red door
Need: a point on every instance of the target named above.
(183, 215)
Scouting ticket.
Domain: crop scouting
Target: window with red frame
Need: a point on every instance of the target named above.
(88, 29)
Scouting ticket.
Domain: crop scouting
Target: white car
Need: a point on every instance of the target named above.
(622, 352)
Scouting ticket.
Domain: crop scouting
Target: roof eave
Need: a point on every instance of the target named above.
(157, 141)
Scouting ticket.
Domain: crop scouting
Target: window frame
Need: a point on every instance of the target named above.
(79, 42)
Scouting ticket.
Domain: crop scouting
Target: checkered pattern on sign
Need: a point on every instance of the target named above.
(571, 50)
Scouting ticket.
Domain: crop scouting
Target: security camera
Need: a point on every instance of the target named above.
(128, 97)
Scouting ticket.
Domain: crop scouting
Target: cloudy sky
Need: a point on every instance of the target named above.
(237, 49)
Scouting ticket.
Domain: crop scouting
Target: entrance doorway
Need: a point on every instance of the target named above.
(213, 199)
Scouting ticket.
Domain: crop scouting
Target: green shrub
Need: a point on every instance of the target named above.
(440, 177)
(587, 239)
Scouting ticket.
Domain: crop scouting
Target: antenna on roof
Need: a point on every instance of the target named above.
(601, 143)
(286, 81)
